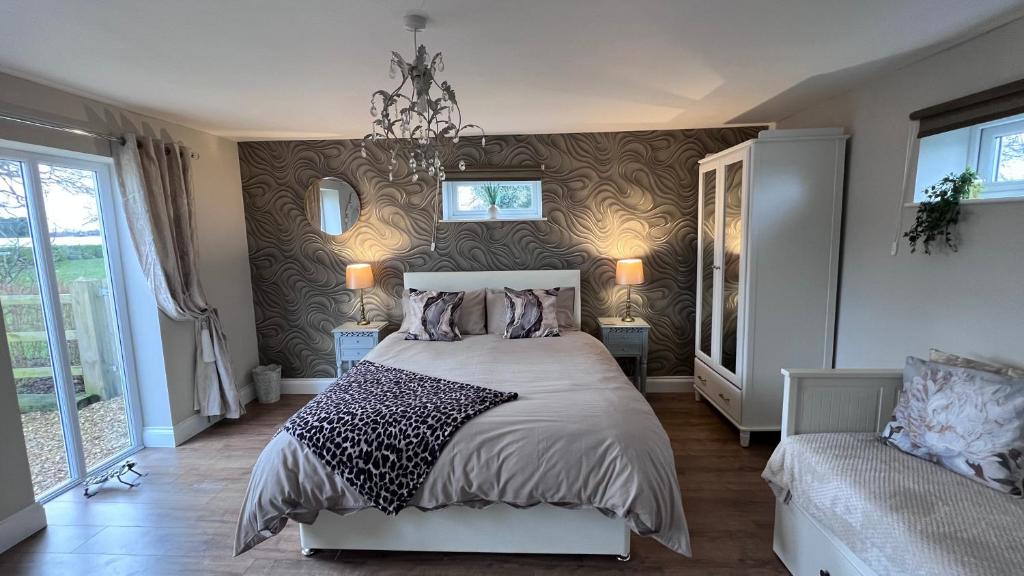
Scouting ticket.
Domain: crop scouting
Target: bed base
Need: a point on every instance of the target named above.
(805, 547)
(499, 528)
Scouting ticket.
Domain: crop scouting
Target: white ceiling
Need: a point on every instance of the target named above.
(259, 69)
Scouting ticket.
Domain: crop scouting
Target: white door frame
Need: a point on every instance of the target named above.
(31, 155)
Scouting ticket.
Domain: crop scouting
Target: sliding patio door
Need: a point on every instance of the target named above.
(60, 287)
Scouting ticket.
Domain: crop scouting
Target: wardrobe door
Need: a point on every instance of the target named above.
(707, 262)
(733, 174)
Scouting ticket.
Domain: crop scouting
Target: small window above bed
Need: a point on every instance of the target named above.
(492, 196)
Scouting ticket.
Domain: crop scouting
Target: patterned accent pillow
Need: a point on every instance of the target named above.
(969, 421)
(433, 315)
(471, 317)
(531, 313)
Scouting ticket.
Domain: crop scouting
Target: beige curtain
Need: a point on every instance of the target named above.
(158, 201)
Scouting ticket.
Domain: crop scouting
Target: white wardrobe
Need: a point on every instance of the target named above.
(768, 258)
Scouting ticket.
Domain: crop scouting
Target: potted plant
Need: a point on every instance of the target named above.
(938, 214)
(491, 193)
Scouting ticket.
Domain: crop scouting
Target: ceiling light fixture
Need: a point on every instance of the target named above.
(411, 123)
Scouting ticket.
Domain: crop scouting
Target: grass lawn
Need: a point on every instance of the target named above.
(67, 272)
(70, 270)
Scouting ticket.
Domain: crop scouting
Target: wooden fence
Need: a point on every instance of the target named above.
(93, 331)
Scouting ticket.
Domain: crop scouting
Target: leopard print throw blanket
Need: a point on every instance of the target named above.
(382, 429)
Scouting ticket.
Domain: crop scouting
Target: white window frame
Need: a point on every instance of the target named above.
(451, 213)
(31, 156)
(978, 155)
(984, 160)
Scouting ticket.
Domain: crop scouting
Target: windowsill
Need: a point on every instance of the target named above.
(494, 220)
(976, 201)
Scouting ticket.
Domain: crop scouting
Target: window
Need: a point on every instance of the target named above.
(994, 149)
(60, 293)
(1001, 156)
(471, 200)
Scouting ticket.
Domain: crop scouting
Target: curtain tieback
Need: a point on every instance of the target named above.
(206, 339)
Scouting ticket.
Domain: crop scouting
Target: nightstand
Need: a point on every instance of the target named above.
(628, 340)
(352, 342)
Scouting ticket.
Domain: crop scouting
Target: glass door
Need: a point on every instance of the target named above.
(59, 275)
(731, 262)
(708, 263)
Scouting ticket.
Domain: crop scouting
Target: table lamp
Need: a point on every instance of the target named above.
(627, 273)
(359, 276)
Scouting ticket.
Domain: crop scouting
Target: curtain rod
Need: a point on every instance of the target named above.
(71, 129)
(62, 128)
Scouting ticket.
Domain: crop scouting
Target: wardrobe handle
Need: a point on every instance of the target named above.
(703, 380)
(823, 573)
(723, 397)
(716, 267)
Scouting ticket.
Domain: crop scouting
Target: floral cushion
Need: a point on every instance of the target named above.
(432, 315)
(531, 313)
(969, 421)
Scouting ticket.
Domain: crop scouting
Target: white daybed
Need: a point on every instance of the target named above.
(850, 505)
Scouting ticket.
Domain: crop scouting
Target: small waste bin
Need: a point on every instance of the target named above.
(268, 383)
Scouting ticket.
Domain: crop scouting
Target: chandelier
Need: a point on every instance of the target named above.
(415, 121)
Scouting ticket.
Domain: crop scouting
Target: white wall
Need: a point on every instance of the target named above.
(969, 302)
(165, 373)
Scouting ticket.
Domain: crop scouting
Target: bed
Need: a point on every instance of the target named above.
(571, 467)
(848, 505)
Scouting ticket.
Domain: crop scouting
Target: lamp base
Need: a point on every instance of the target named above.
(362, 311)
(628, 316)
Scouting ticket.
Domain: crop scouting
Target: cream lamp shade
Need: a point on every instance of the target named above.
(629, 271)
(358, 276)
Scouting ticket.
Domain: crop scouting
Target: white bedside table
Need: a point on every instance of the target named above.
(628, 340)
(352, 342)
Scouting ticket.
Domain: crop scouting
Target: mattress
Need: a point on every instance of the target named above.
(580, 436)
(897, 513)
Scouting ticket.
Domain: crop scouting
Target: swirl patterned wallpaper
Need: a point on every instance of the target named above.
(606, 196)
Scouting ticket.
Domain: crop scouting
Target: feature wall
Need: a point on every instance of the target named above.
(606, 196)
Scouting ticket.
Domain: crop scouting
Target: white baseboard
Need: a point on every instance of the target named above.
(247, 393)
(305, 385)
(669, 384)
(171, 436)
(21, 525)
(158, 437)
(655, 385)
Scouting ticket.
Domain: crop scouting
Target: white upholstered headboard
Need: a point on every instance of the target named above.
(517, 279)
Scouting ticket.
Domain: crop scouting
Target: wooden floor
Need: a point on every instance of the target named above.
(182, 519)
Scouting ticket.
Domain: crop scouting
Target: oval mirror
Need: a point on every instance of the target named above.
(332, 205)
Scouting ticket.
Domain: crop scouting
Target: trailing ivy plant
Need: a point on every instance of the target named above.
(938, 214)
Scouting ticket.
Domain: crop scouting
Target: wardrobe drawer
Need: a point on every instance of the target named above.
(718, 390)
